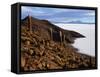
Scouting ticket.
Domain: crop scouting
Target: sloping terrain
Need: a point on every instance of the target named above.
(46, 46)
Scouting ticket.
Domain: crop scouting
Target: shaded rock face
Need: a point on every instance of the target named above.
(45, 46)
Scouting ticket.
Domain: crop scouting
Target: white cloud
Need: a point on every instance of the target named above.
(34, 11)
(64, 19)
(90, 14)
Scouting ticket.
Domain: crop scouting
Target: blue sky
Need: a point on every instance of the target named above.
(59, 15)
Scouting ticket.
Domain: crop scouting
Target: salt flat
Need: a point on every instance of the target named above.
(85, 45)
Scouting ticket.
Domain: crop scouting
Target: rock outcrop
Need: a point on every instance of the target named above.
(46, 46)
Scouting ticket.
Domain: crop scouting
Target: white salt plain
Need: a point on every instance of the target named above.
(85, 45)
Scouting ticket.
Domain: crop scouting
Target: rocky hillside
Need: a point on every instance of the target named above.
(46, 46)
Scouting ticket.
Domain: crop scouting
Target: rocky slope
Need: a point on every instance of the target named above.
(46, 46)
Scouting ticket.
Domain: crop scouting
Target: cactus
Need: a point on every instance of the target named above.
(29, 24)
(51, 33)
(60, 36)
(64, 39)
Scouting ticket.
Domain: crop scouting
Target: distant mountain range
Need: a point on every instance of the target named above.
(76, 22)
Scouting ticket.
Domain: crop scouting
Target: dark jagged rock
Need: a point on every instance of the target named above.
(46, 46)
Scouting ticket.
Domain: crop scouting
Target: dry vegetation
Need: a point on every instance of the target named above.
(40, 52)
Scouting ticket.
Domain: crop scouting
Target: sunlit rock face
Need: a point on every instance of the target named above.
(47, 46)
